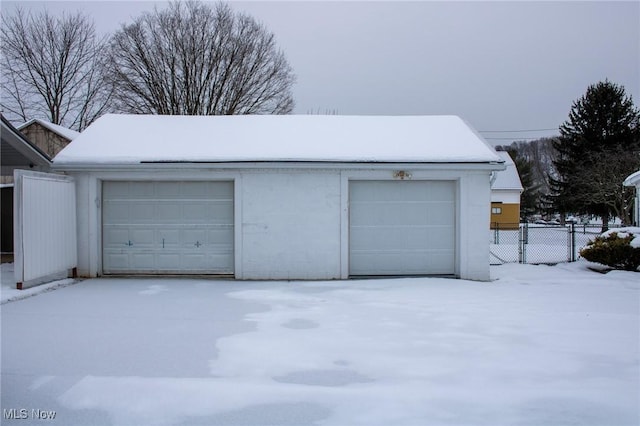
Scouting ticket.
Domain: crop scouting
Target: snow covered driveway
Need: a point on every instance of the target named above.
(538, 346)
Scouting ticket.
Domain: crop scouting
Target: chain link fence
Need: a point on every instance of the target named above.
(533, 243)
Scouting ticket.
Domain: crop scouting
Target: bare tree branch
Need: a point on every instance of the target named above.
(52, 69)
(193, 59)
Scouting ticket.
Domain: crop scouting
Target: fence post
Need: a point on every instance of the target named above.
(572, 242)
(522, 251)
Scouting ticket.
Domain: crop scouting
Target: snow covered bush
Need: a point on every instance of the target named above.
(619, 248)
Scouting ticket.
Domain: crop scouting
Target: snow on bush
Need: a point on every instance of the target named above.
(617, 248)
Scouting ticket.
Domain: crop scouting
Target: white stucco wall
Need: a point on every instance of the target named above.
(292, 223)
(475, 212)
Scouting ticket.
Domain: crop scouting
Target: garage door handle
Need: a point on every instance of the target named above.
(197, 244)
(128, 243)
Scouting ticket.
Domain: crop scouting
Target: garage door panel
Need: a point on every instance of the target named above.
(410, 214)
(168, 211)
(391, 263)
(441, 237)
(401, 227)
(396, 238)
(207, 212)
(169, 190)
(168, 227)
(118, 261)
(143, 261)
(220, 191)
(224, 260)
(402, 191)
(194, 261)
(116, 190)
(441, 262)
(169, 261)
(219, 212)
(143, 237)
(441, 214)
(168, 237)
(140, 211)
(195, 212)
(220, 236)
(138, 190)
(194, 237)
(441, 192)
(115, 236)
(116, 211)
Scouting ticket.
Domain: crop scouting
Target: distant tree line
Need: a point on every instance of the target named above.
(534, 161)
(190, 58)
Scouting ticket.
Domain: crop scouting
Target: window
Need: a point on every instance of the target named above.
(496, 210)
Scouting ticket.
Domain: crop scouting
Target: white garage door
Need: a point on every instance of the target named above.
(402, 227)
(167, 227)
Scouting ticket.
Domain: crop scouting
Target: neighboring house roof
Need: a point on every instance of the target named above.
(60, 130)
(132, 139)
(17, 152)
(507, 179)
(633, 179)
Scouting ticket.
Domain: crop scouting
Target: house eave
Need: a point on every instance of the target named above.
(19, 152)
(632, 180)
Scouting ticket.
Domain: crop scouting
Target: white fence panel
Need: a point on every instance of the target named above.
(45, 242)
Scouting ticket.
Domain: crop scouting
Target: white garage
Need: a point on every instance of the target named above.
(282, 197)
(167, 227)
(402, 227)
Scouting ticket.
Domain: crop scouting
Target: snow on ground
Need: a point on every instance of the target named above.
(539, 345)
(9, 293)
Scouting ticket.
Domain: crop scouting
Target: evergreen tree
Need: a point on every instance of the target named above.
(599, 145)
(531, 193)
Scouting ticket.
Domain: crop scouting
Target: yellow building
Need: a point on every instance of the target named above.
(505, 196)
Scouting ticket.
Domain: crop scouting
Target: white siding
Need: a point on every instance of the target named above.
(44, 225)
(505, 196)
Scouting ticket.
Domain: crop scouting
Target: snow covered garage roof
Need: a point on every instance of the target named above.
(133, 139)
(507, 179)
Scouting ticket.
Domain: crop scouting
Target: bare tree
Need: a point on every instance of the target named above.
(52, 69)
(193, 59)
(600, 183)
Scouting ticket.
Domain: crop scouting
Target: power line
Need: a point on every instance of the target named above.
(517, 131)
(515, 138)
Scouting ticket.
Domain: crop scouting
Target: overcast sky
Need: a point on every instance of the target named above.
(499, 65)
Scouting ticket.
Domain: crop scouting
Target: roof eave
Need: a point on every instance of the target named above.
(633, 179)
(16, 141)
(170, 165)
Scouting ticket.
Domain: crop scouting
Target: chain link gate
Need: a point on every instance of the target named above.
(539, 244)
